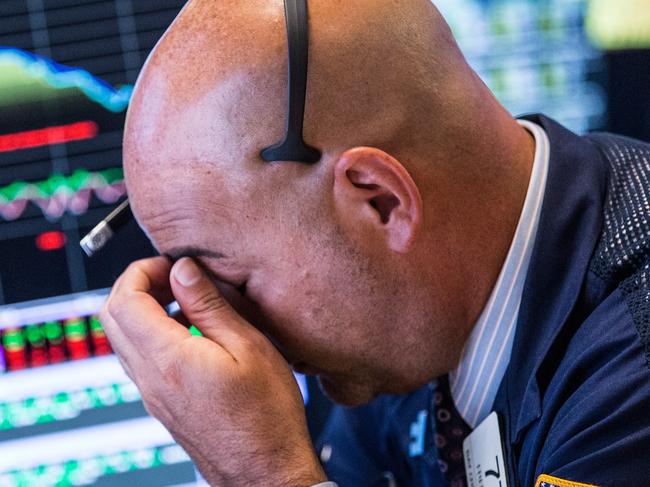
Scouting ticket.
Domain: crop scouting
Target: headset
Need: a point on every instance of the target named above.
(293, 147)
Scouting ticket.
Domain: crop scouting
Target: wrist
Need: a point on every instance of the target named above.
(308, 477)
(303, 473)
(309, 472)
(297, 479)
(300, 472)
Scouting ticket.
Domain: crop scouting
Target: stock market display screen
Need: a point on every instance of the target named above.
(68, 413)
(67, 70)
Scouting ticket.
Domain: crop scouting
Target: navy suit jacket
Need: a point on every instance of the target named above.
(575, 399)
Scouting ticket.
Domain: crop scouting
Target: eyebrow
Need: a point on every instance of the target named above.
(194, 252)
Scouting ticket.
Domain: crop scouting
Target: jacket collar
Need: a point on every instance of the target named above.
(569, 229)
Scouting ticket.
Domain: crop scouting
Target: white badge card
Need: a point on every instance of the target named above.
(484, 459)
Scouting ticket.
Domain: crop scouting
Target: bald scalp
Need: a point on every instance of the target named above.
(383, 73)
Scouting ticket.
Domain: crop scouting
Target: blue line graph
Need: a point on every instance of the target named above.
(59, 76)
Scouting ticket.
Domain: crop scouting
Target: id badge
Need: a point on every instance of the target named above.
(484, 455)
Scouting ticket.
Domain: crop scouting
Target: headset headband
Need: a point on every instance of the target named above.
(293, 147)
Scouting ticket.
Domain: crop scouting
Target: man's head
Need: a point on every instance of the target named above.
(370, 267)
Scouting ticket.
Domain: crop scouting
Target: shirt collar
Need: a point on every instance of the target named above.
(474, 384)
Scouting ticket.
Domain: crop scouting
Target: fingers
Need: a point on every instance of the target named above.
(117, 340)
(135, 321)
(149, 276)
(140, 329)
(205, 307)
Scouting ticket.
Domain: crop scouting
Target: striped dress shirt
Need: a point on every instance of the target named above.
(474, 384)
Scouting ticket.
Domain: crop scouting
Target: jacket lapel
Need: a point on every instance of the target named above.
(569, 229)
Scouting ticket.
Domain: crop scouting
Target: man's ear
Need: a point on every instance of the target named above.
(371, 184)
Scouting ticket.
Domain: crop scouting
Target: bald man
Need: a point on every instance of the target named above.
(448, 272)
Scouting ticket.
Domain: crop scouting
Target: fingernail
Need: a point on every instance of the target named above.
(186, 272)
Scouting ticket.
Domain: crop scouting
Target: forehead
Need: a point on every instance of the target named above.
(205, 105)
(205, 136)
(181, 205)
(191, 105)
(201, 152)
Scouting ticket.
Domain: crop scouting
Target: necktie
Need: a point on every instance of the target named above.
(450, 430)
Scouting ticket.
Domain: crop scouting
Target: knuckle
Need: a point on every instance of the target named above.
(114, 308)
(104, 312)
(110, 310)
(135, 266)
(107, 323)
(132, 268)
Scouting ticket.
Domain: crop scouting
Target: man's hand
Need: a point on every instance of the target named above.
(229, 398)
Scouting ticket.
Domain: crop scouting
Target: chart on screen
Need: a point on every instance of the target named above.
(68, 413)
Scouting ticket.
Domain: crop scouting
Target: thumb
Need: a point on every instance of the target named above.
(205, 307)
